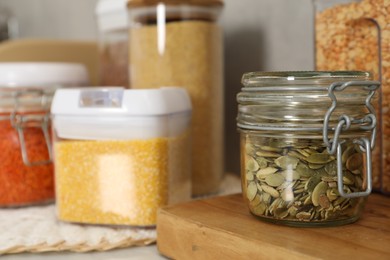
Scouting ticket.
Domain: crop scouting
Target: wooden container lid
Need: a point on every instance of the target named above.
(140, 3)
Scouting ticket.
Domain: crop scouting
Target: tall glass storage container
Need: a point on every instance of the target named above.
(179, 43)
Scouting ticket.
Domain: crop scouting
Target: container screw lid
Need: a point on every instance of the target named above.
(42, 74)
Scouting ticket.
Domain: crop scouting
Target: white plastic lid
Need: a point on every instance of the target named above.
(42, 74)
(111, 14)
(118, 113)
(117, 101)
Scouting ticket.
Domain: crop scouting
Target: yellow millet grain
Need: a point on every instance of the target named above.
(191, 57)
(117, 182)
(347, 38)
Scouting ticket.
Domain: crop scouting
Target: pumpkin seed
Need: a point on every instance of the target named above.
(251, 191)
(321, 172)
(315, 166)
(262, 173)
(266, 198)
(249, 148)
(303, 152)
(307, 201)
(338, 201)
(271, 149)
(310, 151)
(304, 170)
(271, 191)
(274, 205)
(287, 162)
(299, 182)
(297, 155)
(332, 194)
(251, 164)
(263, 163)
(318, 191)
(328, 179)
(259, 209)
(250, 176)
(348, 178)
(274, 180)
(319, 158)
(256, 201)
(303, 215)
(331, 168)
(267, 154)
(281, 213)
(292, 211)
(312, 182)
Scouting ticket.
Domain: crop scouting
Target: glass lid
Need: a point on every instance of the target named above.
(295, 78)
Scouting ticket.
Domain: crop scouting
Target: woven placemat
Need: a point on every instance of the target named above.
(36, 229)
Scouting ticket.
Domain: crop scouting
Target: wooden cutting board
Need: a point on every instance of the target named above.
(223, 228)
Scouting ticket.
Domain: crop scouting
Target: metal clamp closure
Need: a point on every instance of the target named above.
(367, 123)
(41, 119)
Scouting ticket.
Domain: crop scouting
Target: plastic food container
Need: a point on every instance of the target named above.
(120, 154)
(354, 35)
(179, 43)
(113, 48)
(306, 141)
(26, 90)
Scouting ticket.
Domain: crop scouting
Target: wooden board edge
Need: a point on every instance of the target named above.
(180, 238)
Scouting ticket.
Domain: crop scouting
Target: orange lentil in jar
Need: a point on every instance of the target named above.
(21, 184)
(26, 91)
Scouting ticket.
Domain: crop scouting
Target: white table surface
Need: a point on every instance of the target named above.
(133, 253)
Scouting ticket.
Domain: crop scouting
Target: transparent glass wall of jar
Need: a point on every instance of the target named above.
(354, 35)
(26, 90)
(289, 173)
(179, 43)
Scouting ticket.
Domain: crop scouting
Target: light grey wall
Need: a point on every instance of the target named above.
(58, 19)
(259, 35)
(262, 35)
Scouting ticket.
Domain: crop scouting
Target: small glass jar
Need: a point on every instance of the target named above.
(26, 90)
(113, 48)
(120, 154)
(306, 140)
(179, 43)
(354, 35)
